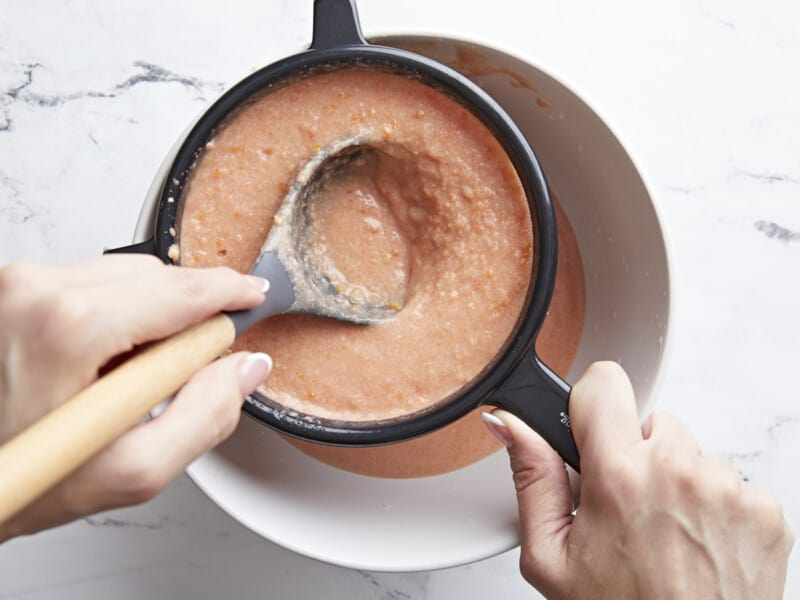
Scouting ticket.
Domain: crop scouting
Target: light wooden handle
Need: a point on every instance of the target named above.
(53, 447)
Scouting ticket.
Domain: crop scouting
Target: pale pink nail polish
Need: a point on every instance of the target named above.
(253, 371)
(647, 426)
(261, 284)
(497, 428)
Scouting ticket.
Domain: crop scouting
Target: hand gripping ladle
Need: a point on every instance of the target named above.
(53, 447)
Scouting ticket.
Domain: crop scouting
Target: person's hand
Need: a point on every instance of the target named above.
(59, 325)
(657, 517)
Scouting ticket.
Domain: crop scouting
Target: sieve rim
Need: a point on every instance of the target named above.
(519, 344)
(337, 43)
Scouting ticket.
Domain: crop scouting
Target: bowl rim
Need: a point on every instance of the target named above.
(145, 225)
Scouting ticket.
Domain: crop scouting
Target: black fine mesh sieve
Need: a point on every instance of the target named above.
(517, 379)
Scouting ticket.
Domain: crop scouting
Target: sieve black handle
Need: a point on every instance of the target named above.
(335, 24)
(538, 396)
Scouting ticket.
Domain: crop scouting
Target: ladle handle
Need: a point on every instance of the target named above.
(538, 396)
(279, 299)
(53, 447)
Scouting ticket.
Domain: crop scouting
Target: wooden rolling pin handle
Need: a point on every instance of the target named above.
(49, 450)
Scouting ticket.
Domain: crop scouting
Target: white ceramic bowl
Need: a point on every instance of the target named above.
(470, 514)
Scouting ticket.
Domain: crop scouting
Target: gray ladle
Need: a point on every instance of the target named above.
(53, 447)
(298, 278)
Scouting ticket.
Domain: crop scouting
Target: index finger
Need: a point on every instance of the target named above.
(159, 302)
(602, 410)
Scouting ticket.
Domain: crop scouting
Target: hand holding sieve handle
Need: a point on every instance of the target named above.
(539, 397)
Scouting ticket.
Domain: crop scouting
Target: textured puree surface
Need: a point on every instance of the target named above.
(467, 441)
(435, 218)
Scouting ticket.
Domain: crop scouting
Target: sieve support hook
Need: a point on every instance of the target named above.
(336, 24)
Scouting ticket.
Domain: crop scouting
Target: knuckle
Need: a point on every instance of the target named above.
(13, 276)
(225, 420)
(133, 259)
(767, 511)
(192, 285)
(537, 570)
(605, 367)
(21, 284)
(138, 474)
(658, 417)
(722, 485)
(207, 287)
(70, 308)
(131, 481)
(679, 466)
(528, 565)
(221, 407)
(147, 260)
(593, 386)
(526, 474)
(59, 317)
(729, 493)
(140, 482)
(618, 481)
(605, 370)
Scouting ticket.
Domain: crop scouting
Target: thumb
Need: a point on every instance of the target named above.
(544, 498)
(204, 413)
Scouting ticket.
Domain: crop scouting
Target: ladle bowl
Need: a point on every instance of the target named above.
(299, 279)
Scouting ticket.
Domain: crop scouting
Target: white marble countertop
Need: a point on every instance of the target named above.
(706, 94)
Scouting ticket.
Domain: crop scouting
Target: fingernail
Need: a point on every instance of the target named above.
(647, 426)
(497, 428)
(261, 284)
(254, 371)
